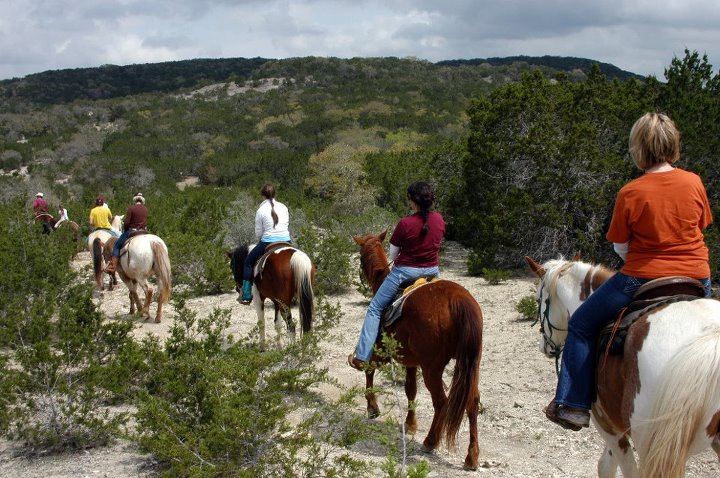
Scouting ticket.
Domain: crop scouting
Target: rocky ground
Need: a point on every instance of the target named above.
(516, 381)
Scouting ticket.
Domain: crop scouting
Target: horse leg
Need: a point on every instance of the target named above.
(260, 311)
(373, 409)
(411, 393)
(433, 381)
(471, 459)
(286, 313)
(146, 305)
(607, 466)
(617, 452)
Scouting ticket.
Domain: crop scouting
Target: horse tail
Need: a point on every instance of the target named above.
(688, 393)
(97, 256)
(161, 268)
(303, 273)
(464, 392)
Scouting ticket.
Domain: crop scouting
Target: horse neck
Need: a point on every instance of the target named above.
(577, 281)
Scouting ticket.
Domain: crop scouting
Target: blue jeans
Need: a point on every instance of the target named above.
(385, 294)
(576, 383)
(121, 242)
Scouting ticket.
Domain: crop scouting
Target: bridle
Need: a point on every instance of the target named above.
(545, 325)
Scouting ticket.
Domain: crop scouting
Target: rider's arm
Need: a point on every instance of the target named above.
(394, 252)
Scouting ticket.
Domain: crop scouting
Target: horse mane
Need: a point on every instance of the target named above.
(374, 263)
(589, 275)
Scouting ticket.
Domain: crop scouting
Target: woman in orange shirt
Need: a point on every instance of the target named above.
(656, 228)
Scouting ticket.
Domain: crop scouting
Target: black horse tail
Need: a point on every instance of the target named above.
(464, 394)
(97, 256)
(304, 272)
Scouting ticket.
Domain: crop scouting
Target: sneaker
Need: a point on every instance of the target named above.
(570, 418)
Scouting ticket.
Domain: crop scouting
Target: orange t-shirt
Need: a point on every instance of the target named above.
(663, 215)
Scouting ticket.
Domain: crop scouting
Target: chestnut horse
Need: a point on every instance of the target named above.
(440, 321)
(146, 255)
(663, 392)
(287, 274)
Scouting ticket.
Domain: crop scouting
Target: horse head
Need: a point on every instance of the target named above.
(558, 295)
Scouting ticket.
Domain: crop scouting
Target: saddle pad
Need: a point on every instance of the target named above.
(612, 336)
(260, 264)
(394, 310)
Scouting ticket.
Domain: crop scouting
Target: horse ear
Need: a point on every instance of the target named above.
(229, 254)
(382, 235)
(577, 256)
(358, 240)
(535, 267)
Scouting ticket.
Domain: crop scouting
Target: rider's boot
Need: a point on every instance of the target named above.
(246, 292)
(110, 269)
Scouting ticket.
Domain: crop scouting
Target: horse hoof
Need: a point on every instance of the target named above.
(373, 413)
(157, 320)
(426, 449)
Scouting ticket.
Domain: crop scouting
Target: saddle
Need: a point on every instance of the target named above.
(135, 233)
(393, 311)
(272, 248)
(652, 294)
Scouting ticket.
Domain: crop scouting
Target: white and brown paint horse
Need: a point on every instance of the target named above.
(146, 255)
(663, 392)
(287, 274)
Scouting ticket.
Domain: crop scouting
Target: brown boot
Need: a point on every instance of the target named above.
(110, 269)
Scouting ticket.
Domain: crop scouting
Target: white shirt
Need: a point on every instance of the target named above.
(63, 215)
(264, 229)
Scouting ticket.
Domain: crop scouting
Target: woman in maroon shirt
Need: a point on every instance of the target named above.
(414, 248)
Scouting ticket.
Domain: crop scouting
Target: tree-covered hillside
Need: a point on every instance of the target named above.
(526, 157)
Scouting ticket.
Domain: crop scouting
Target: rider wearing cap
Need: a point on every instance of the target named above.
(41, 210)
(135, 219)
(100, 217)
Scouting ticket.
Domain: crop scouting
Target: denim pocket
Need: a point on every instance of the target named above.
(632, 284)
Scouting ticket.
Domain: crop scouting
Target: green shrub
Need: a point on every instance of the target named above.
(527, 307)
(215, 407)
(330, 253)
(495, 276)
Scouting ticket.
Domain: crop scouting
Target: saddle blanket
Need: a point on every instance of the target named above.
(394, 310)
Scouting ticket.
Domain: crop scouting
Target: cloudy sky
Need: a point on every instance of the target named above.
(641, 36)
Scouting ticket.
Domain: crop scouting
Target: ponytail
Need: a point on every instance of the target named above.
(273, 213)
(268, 191)
(422, 194)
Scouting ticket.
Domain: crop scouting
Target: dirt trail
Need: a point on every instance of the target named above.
(516, 381)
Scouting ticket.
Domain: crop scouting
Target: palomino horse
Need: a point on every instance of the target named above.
(440, 321)
(663, 391)
(146, 255)
(96, 242)
(288, 273)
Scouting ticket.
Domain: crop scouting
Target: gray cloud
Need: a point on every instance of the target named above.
(637, 35)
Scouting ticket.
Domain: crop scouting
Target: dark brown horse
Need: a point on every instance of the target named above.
(287, 274)
(440, 321)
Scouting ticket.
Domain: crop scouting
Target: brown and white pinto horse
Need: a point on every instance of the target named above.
(663, 392)
(440, 321)
(146, 255)
(288, 273)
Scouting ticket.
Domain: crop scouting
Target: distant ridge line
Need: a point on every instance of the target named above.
(565, 63)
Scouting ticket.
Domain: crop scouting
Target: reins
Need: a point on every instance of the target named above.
(544, 318)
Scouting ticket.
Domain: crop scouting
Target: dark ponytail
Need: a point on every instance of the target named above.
(268, 191)
(422, 194)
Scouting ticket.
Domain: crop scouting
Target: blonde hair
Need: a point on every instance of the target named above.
(654, 139)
